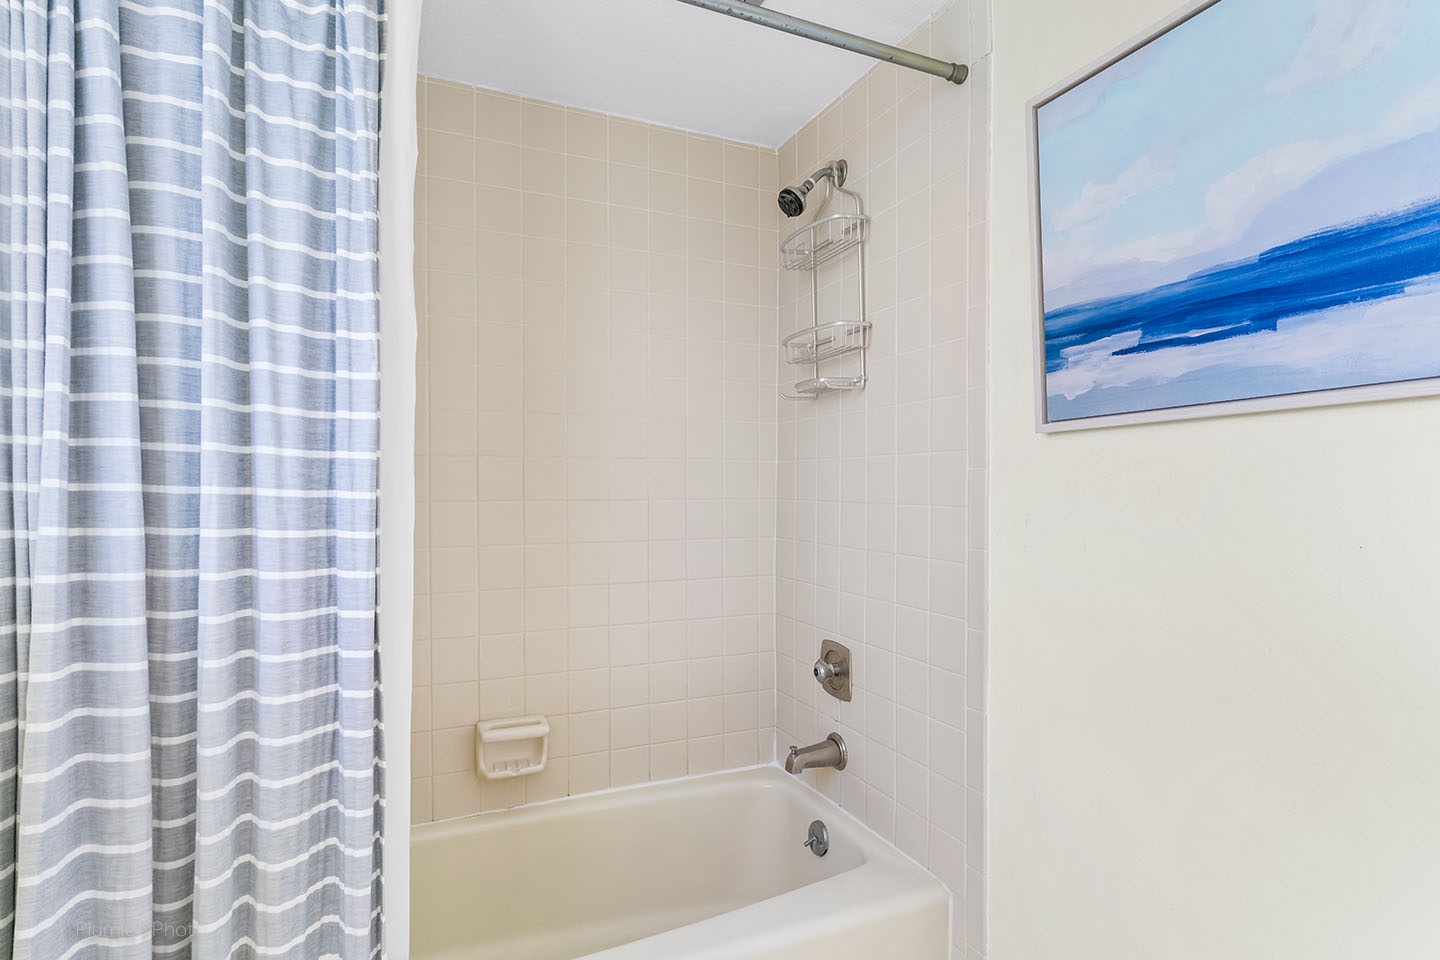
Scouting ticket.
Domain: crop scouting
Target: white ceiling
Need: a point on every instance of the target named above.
(662, 61)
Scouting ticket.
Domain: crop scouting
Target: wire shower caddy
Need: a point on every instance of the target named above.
(827, 238)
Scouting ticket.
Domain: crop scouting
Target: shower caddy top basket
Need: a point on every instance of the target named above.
(825, 239)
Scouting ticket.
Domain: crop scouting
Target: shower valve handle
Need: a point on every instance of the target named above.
(827, 670)
(832, 670)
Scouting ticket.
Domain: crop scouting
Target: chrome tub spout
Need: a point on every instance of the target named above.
(829, 752)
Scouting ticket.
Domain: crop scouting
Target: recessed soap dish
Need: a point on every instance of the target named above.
(511, 748)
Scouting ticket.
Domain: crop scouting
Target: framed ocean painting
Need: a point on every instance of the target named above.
(1241, 212)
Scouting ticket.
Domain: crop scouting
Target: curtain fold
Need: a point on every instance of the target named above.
(190, 739)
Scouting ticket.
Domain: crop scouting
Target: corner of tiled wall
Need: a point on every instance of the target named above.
(881, 535)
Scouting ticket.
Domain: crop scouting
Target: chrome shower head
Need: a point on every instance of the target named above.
(792, 199)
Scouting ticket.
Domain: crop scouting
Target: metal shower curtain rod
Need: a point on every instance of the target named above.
(775, 20)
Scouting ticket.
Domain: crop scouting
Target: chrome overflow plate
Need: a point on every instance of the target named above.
(819, 841)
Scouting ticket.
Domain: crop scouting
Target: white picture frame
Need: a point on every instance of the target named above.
(1048, 423)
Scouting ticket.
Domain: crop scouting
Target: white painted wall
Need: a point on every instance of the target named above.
(1215, 666)
(397, 445)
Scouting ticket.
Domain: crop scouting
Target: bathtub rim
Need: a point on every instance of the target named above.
(771, 771)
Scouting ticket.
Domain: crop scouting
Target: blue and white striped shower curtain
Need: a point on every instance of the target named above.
(190, 759)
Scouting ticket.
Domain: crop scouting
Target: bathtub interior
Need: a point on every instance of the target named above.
(571, 878)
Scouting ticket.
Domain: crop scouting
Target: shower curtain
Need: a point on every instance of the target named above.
(190, 740)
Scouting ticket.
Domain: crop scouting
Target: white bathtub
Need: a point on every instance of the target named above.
(698, 869)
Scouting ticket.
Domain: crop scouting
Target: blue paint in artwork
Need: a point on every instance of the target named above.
(1365, 261)
(1267, 229)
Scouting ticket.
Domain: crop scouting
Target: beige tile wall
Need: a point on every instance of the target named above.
(619, 529)
(881, 529)
(595, 446)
